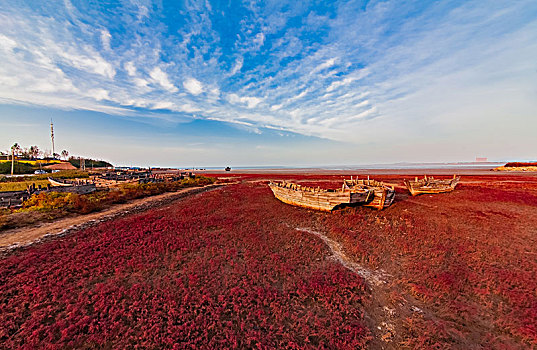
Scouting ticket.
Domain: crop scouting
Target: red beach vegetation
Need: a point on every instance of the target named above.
(235, 267)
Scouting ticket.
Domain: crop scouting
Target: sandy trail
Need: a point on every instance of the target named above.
(382, 318)
(385, 319)
(377, 278)
(19, 237)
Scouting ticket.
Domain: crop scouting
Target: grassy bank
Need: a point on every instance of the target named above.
(20, 183)
(64, 174)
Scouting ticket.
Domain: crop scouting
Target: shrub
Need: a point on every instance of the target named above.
(520, 164)
(49, 201)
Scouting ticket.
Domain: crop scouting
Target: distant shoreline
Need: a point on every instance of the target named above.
(388, 166)
(365, 172)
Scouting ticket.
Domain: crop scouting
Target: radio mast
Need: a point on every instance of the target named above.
(52, 136)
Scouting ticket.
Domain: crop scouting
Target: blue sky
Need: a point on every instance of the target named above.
(202, 83)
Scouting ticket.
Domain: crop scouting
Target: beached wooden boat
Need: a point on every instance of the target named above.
(318, 198)
(55, 182)
(383, 195)
(431, 185)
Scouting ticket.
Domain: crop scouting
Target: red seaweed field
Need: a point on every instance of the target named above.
(236, 268)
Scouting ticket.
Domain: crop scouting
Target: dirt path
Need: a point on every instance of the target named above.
(377, 277)
(20, 237)
(384, 316)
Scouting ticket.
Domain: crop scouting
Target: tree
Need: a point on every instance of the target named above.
(14, 149)
(34, 152)
(65, 154)
(25, 153)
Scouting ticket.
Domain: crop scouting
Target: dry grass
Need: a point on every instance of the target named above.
(20, 185)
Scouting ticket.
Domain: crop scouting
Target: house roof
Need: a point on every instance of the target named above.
(60, 166)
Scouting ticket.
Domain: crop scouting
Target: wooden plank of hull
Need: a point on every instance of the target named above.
(415, 192)
(390, 197)
(319, 205)
(382, 200)
(294, 197)
(379, 200)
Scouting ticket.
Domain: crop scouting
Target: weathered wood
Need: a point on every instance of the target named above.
(368, 192)
(56, 182)
(431, 185)
(383, 195)
(320, 199)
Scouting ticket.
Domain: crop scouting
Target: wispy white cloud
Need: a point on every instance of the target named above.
(8, 44)
(164, 105)
(194, 86)
(326, 64)
(99, 94)
(250, 102)
(238, 65)
(130, 68)
(92, 62)
(160, 77)
(259, 40)
(339, 83)
(105, 39)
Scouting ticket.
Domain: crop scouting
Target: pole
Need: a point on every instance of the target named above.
(12, 160)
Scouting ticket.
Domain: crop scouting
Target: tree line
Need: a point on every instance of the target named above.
(34, 153)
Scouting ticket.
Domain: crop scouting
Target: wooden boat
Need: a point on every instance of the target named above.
(55, 182)
(318, 198)
(431, 185)
(383, 195)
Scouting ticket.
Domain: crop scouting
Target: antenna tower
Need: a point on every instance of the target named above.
(52, 136)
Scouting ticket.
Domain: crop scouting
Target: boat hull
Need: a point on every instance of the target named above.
(383, 195)
(57, 183)
(318, 199)
(431, 186)
(383, 198)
